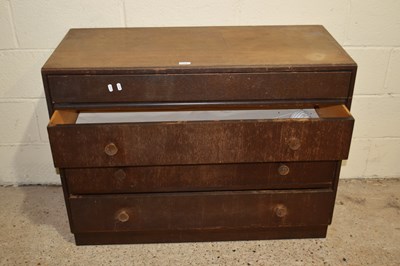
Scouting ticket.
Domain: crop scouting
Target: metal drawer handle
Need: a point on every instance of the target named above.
(122, 216)
(281, 211)
(111, 149)
(110, 87)
(294, 143)
(283, 169)
(119, 87)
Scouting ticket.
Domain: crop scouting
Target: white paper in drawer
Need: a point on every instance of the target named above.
(131, 117)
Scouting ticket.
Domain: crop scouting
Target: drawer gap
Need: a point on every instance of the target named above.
(199, 193)
(327, 185)
(200, 105)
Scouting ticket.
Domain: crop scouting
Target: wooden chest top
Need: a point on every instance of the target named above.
(195, 49)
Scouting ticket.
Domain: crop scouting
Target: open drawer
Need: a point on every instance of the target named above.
(238, 136)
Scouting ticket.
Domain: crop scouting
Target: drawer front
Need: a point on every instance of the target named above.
(205, 142)
(200, 177)
(198, 87)
(201, 210)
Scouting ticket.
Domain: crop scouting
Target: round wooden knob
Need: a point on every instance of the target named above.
(120, 174)
(122, 216)
(281, 211)
(294, 143)
(111, 149)
(283, 169)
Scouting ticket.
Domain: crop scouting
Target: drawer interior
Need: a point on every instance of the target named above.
(100, 117)
(128, 117)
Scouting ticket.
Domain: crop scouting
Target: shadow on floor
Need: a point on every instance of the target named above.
(47, 209)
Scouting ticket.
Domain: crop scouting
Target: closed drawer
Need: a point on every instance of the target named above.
(201, 177)
(198, 87)
(200, 142)
(201, 210)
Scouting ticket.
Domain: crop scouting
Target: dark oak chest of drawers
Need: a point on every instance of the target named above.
(199, 134)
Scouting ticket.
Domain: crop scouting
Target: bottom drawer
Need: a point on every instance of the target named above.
(201, 210)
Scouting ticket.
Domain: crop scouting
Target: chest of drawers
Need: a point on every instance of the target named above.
(186, 134)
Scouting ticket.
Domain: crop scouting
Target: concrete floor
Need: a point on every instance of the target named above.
(365, 231)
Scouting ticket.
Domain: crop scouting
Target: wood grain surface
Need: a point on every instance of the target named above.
(203, 47)
(200, 177)
(201, 210)
(199, 142)
(199, 87)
